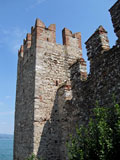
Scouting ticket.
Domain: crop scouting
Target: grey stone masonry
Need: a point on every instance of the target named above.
(96, 45)
(54, 92)
(43, 67)
(115, 16)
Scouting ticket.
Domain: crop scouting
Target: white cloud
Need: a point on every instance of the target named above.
(34, 4)
(12, 38)
(8, 97)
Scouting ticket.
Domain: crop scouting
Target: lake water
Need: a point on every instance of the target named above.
(6, 147)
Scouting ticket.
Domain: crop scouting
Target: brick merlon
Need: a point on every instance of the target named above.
(52, 27)
(66, 32)
(100, 30)
(28, 37)
(39, 23)
(77, 35)
(21, 48)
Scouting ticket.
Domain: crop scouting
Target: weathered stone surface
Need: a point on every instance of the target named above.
(115, 16)
(43, 67)
(54, 92)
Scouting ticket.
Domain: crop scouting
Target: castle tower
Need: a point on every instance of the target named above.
(43, 67)
(53, 90)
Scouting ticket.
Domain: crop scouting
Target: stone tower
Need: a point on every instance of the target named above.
(43, 67)
(54, 92)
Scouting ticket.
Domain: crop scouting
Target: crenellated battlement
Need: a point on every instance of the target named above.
(42, 36)
(40, 32)
(43, 33)
(96, 45)
(54, 92)
(27, 41)
(70, 39)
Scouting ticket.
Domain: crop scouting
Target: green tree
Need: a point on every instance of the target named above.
(100, 139)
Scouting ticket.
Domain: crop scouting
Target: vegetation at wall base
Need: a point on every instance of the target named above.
(100, 139)
(33, 157)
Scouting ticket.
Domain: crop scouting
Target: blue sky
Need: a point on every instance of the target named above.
(16, 19)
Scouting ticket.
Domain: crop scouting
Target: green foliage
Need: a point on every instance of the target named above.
(100, 139)
(33, 157)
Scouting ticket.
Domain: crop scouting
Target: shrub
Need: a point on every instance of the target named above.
(100, 139)
(33, 157)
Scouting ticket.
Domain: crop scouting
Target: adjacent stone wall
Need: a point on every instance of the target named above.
(102, 83)
(103, 80)
(115, 16)
(54, 92)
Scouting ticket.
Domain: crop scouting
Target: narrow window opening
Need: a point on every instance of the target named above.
(55, 111)
(56, 83)
(56, 141)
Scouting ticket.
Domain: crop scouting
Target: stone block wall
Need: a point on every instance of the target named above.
(103, 80)
(54, 92)
(23, 136)
(43, 67)
(115, 16)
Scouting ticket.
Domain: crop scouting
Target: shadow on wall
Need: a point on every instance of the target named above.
(53, 139)
(64, 117)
